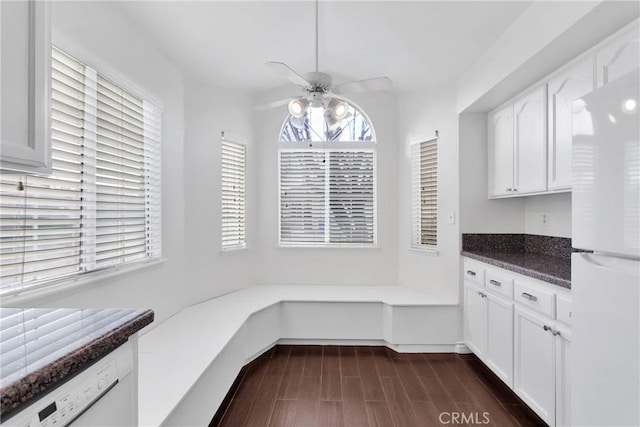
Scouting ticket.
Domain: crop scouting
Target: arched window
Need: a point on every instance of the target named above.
(327, 158)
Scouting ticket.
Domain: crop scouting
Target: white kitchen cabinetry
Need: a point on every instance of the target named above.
(564, 88)
(518, 146)
(501, 152)
(563, 377)
(25, 60)
(619, 55)
(520, 328)
(534, 363)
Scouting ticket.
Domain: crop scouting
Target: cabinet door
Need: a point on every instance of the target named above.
(500, 134)
(25, 60)
(619, 56)
(565, 88)
(499, 350)
(475, 320)
(530, 171)
(563, 379)
(534, 363)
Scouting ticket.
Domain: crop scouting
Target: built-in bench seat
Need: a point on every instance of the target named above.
(188, 362)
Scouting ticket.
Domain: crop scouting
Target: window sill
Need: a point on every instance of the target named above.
(233, 249)
(57, 289)
(365, 247)
(425, 251)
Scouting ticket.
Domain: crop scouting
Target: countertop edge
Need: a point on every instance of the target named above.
(43, 380)
(539, 275)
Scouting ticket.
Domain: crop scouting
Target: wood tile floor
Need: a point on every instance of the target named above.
(368, 386)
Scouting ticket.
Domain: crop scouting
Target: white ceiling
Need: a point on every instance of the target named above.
(418, 44)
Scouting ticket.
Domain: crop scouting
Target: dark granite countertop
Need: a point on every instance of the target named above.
(540, 257)
(547, 268)
(41, 347)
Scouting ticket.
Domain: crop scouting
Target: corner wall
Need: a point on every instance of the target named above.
(210, 271)
(420, 115)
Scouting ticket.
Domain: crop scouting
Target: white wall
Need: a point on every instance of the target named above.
(478, 214)
(558, 210)
(210, 111)
(419, 116)
(330, 265)
(96, 33)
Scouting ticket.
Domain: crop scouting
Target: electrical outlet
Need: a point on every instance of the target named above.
(544, 218)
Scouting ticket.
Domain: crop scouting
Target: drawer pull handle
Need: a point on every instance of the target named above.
(495, 282)
(483, 295)
(471, 272)
(555, 333)
(546, 328)
(530, 297)
(508, 189)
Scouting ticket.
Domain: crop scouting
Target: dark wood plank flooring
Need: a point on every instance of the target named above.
(368, 386)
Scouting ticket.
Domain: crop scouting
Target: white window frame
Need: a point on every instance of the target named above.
(88, 277)
(243, 243)
(344, 147)
(416, 208)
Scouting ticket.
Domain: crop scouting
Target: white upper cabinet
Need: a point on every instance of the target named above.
(501, 152)
(25, 58)
(618, 56)
(518, 146)
(530, 145)
(564, 88)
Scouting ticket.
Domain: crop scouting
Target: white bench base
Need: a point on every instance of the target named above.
(188, 362)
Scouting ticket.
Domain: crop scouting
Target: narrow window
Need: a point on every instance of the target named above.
(233, 195)
(424, 185)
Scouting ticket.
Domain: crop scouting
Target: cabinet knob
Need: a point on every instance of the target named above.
(547, 328)
(495, 282)
(508, 189)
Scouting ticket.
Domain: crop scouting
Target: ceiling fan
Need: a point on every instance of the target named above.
(318, 88)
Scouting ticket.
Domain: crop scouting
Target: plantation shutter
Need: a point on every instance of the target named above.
(101, 204)
(351, 201)
(233, 194)
(424, 176)
(302, 196)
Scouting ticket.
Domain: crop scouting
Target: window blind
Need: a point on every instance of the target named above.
(327, 197)
(101, 205)
(233, 194)
(424, 177)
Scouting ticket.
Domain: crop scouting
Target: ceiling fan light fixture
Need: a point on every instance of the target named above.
(298, 106)
(339, 109)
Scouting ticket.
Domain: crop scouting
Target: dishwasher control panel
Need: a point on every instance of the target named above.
(63, 405)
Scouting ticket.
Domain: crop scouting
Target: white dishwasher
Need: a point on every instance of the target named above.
(101, 395)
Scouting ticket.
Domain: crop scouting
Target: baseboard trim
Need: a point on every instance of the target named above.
(461, 348)
(400, 348)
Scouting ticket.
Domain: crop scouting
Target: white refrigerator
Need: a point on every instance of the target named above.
(605, 284)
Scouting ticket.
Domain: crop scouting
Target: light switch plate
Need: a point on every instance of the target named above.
(451, 218)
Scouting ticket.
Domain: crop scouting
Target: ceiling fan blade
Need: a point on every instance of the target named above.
(285, 71)
(273, 104)
(377, 83)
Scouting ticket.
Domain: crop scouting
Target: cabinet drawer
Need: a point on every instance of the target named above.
(563, 309)
(535, 298)
(499, 283)
(473, 273)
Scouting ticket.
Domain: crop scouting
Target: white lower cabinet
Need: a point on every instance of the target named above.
(520, 328)
(500, 337)
(534, 363)
(563, 378)
(489, 330)
(475, 323)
